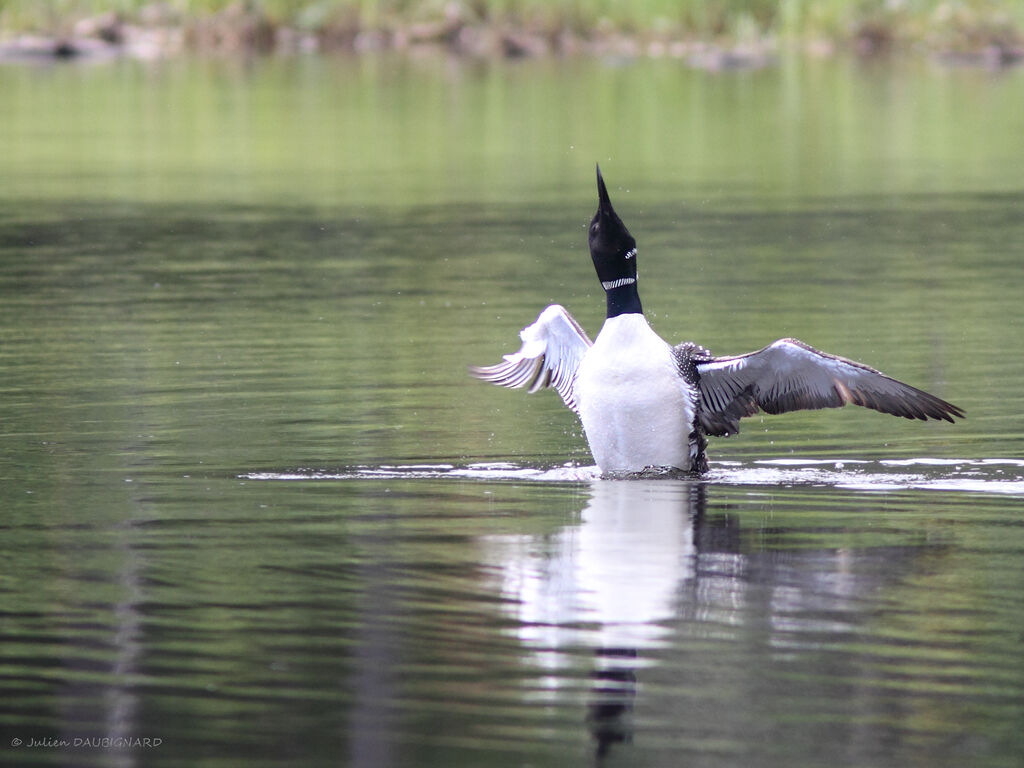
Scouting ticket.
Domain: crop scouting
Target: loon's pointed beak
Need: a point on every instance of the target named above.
(605, 203)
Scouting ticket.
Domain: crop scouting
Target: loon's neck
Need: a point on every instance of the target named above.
(623, 298)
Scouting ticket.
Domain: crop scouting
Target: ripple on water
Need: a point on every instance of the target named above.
(996, 475)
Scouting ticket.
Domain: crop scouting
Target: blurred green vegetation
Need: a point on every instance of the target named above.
(869, 24)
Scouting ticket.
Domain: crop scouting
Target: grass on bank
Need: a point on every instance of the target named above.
(944, 25)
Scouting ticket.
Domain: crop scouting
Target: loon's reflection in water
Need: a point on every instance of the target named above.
(647, 572)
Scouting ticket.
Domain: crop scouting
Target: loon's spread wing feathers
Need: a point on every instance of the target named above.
(549, 357)
(789, 375)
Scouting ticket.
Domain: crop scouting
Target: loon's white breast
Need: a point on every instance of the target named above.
(636, 409)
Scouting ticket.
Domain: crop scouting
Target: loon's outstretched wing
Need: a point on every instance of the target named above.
(789, 375)
(552, 349)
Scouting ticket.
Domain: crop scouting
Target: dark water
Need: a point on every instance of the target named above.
(255, 511)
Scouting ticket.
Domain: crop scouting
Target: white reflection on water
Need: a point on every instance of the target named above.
(646, 572)
(588, 584)
(643, 556)
(609, 583)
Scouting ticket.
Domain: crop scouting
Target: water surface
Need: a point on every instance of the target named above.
(255, 509)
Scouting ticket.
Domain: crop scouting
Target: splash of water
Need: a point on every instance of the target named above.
(996, 475)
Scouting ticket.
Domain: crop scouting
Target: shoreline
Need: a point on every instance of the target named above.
(157, 32)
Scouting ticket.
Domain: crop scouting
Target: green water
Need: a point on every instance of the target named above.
(254, 507)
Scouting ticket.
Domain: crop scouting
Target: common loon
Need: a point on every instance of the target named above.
(646, 405)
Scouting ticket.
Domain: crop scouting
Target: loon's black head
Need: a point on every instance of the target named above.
(612, 248)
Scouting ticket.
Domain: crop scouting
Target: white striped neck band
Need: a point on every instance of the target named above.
(609, 284)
